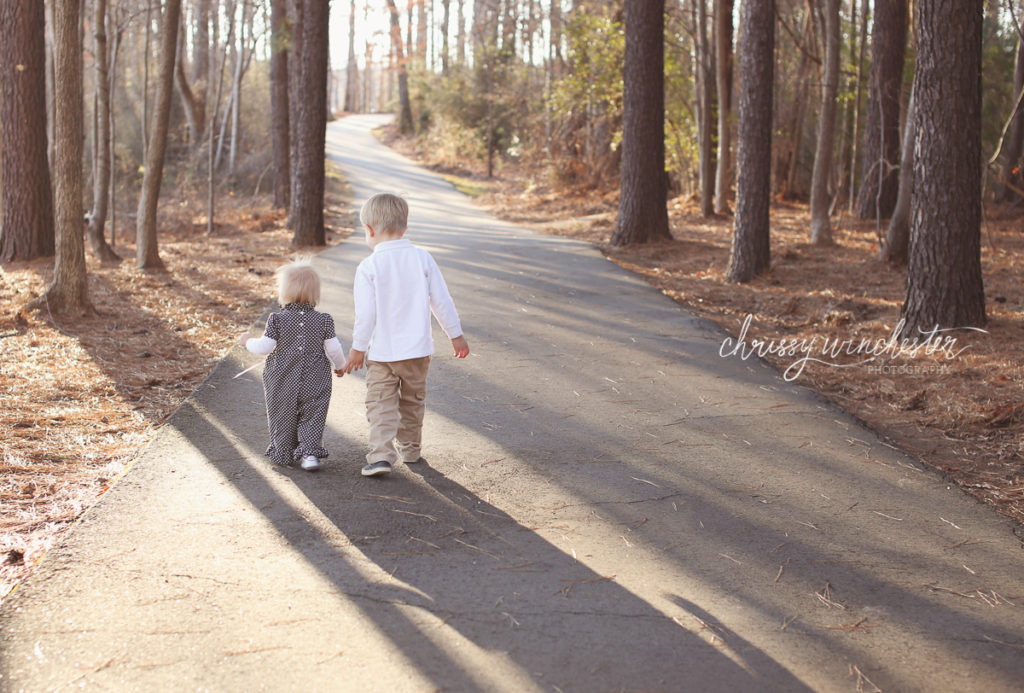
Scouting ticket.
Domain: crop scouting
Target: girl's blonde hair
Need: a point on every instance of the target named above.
(386, 213)
(298, 282)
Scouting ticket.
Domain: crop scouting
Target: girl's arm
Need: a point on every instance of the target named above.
(261, 345)
(335, 352)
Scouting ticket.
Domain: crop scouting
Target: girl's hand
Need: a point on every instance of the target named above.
(244, 338)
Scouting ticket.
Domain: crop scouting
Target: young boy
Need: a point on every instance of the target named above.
(396, 289)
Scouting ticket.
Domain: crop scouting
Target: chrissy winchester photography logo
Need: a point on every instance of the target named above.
(876, 354)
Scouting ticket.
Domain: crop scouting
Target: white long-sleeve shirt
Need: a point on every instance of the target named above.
(265, 345)
(396, 290)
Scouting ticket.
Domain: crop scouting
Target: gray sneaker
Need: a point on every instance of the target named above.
(377, 468)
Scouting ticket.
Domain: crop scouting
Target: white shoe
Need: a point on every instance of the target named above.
(310, 463)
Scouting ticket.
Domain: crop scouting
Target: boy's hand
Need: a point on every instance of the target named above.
(340, 372)
(461, 347)
(356, 360)
(244, 338)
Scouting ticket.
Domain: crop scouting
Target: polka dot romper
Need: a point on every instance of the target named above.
(297, 382)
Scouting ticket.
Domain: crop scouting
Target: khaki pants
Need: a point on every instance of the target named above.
(396, 395)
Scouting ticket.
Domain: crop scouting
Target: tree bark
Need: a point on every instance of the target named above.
(944, 283)
(68, 294)
(445, 23)
(881, 148)
(1015, 140)
(405, 124)
(723, 77)
(194, 108)
(751, 250)
(279, 98)
(643, 210)
(147, 255)
(897, 239)
(855, 139)
(821, 200)
(101, 136)
(704, 97)
(295, 96)
(28, 224)
(311, 129)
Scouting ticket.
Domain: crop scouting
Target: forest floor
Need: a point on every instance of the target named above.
(956, 401)
(80, 397)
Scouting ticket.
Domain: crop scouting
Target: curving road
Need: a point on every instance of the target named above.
(608, 504)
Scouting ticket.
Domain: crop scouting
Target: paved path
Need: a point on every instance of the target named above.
(608, 505)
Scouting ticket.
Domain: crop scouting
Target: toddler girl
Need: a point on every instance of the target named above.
(297, 374)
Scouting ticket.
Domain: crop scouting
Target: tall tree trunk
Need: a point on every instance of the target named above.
(445, 24)
(879, 183)
(944, 283)
(643, 210)
(460, 36)
(897, 239)
(211, 165)
(190, 102)
(308, 174)
(28, 225)
(352, 69)
(201, 45)
(405, 124)
(799, 108)
(855, 141)
(751, 250)
(821, 200)
(1015, 140)
(147, 254)
(723, 77)
(101, 136)
(704, 97)
(279, 98)
(68, 294)
(296, 10)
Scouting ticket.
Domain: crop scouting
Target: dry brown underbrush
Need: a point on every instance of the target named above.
(79, 397)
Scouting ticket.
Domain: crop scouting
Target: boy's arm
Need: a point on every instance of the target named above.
(441, 304)
(365, 298)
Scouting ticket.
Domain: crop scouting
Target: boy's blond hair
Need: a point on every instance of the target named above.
(386, 213)
(298, 282)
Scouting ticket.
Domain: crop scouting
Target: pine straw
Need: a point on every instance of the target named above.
(963, 415)
(79, 397)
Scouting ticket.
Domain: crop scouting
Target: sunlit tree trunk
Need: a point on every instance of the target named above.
(101, 136)
(643, 214)
(147, 254)
(405, 124)
(28, 224)
(1012, 177)
(279, 99)
(751, 254)
(881, 142)
(68, 294)
(944, 284)
(723, 76)
(821, 200)
(897, 239)
(705, 93)
(311, 129)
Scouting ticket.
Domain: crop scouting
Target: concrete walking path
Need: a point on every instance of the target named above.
(608, 504)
